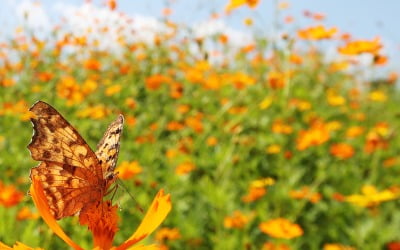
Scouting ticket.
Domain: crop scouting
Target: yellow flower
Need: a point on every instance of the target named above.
(273, 149)
(268, 181)
(317, 33)
(233, 4)
(377, 96)
(113, 89)
(266, 102)
(361, 46)
(371, 197)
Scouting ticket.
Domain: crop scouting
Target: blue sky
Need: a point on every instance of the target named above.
(364, 19)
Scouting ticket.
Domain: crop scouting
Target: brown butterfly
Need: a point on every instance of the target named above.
(72, 175)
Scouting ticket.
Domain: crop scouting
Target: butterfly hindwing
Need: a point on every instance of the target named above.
(108, 147)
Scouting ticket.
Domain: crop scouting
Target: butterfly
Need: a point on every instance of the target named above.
(72, 175)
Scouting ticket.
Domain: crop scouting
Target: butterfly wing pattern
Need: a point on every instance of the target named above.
(71, 174)
(108, 147)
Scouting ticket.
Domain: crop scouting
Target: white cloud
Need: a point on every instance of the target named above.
(33, 15)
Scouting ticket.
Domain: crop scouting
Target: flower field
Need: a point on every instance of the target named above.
(267, 145)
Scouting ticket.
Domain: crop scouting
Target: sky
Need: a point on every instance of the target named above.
(364, 19)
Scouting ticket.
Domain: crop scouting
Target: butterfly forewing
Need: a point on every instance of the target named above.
(70, 172)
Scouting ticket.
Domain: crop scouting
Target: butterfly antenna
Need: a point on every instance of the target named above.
(120, 183)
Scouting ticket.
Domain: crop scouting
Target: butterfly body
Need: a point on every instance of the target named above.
(72, 175)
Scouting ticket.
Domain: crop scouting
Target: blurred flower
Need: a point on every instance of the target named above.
(332, 246)
(281, 228)
(267, 181)
(185, 168)
(318, 32)
(377, 96)
(390, 162)
(305, 193)
(45, 76)
(314, 136)
(92, 64)
(212, 141)
(302, 105)
(361, 46)
(194, 122)
(266, 102)
(342, 150)
(166, 233)
(394, 245)
(277, 80)
(94, 112)
(233, 4)
(154, 82)
(127, 170)
(254, 193)
(334, 99)
(112, 4)
(370, 196)
(273, 149)
(236, 220)
(9, 195)
(354, 131)
(26, 214)
(274, 246)
(280, 127)
(113, 89)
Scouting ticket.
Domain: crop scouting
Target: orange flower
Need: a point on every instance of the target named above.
(281, 228)
(332, 246)
(390, 162)
(237, 220)
(185, 168)
(276, 80)
(272, 246)
(354, 131)
(45, 76)
(127, 170)
(166, 233)
(255, 193)
(316, 135)
(101, 219)
(9, 195)
(212, 141)
(342, 151)
(154, 82)
(194, 122)
(305, 193)
(317, 33)
(112, 4)
(26, 214)
(174, 126)
(92, 64)
(361, 46)
(280, 127)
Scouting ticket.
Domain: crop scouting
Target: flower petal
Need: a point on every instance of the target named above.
(159, 209)
(40, 201)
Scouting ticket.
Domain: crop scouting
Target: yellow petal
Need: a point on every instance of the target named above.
(40, 201)
(159, 209)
